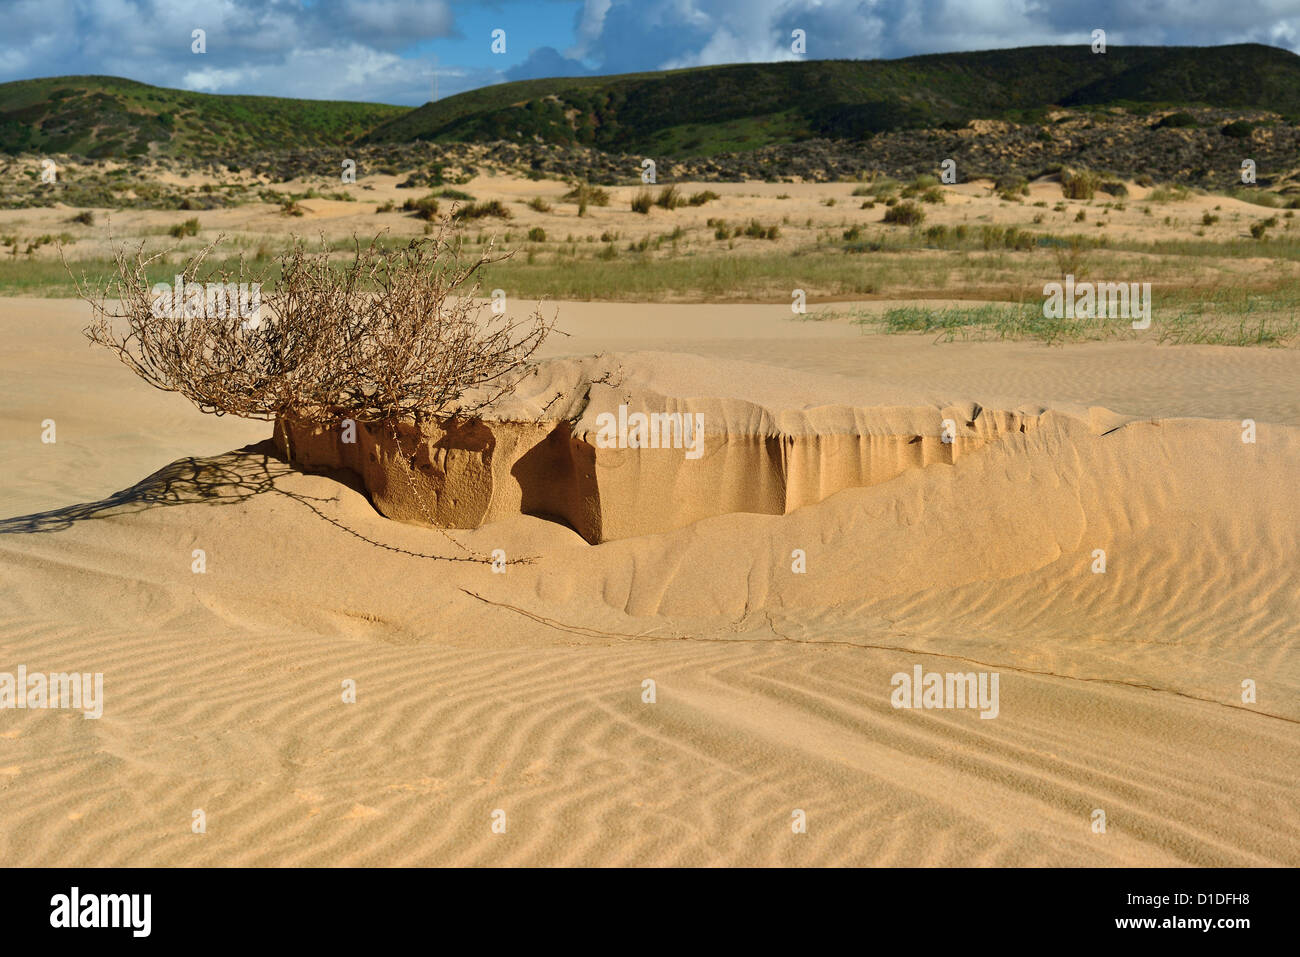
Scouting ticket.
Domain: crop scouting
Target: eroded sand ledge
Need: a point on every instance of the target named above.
(540, 453)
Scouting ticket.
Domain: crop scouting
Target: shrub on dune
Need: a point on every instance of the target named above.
(492, 207)
(1079, 184)
(906, 213)
(382, 335)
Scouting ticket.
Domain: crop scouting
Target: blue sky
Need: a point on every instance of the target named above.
(388, 50)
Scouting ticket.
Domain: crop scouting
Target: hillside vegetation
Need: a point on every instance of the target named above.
(101, 116)
(703, 111)
(708, 110)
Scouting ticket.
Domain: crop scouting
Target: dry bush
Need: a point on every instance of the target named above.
(1072, 257)
(491, 207)
(670, 198)
(585, 193)
(425, 208)
(905, 214)
(1079, 184)
(1011, 187)
(382, 335)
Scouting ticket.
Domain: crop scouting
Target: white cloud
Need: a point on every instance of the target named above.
(658, 34)
(591, 21)
(347, 49)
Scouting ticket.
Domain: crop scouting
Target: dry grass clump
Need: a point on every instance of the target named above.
(670, 197)
(756, 230)
(585, 194)
(906, 213)
(188, 228)
(1010, 187)
(1072, 257)
(920, 186)
(642, 201)
(382, 335)
(425, 208)
(492, 207)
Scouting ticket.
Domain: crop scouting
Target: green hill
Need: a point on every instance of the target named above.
(707, 110)
(106, 116)
(693, 112)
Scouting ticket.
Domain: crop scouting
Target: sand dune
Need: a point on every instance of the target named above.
(523, 690)
(619, 446)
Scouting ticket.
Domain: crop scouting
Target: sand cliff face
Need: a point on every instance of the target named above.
(460, 474)
(613, 461)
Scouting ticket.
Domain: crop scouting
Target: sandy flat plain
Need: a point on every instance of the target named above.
(523, 692)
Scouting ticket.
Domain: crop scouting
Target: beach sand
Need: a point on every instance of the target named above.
(522, 692)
